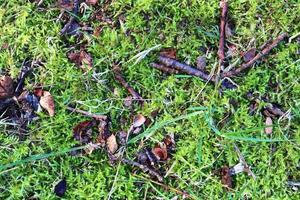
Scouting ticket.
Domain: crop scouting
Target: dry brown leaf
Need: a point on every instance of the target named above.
(6, 87)
(112, 144)
(138, 120)
(82, 59)
(160, 152)
(168, 52)
(91, 2)
(269, 128)
(47, 102)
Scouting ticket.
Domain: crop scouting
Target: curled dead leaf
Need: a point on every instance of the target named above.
(168, 52)
(160, 152)
(138, 120)
(83, 131)
(6, 87)
(112, 144)
(47, 102)
(269, 128)
(82, 59)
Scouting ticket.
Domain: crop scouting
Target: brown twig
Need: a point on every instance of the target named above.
(144, 168)
(169, 62)
(224, 7)
(264, 52)
(123, 82)
(87, 114)
(164, 68)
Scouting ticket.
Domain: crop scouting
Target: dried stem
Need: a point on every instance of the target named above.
(87, 114)
(264, 52)
(143, 168)
(123, 82)
(169, 62)
(224, 7)
(164, 68)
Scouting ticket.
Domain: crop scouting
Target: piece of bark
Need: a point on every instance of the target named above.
(169, 62)
(224, 7)
(258, 56)
(164, 68)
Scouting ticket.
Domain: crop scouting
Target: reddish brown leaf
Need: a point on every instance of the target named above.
(47, 102)
(38, 92)
(168, 52)
(83, 131)
(91, 2)
(66, 4)
(82, 59)
(112, 144)
(6, 87)
(138, 120)
(249, 55)
(160, 152)
(226, 178)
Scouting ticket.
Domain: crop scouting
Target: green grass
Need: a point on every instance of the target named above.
(201, 147)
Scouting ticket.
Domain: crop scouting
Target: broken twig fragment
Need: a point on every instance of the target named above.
(258, 56)
(87, 114)
(164, 68)
(123, 82)
(224, 7)
(169, 62)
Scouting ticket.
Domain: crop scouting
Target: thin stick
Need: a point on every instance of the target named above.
(164, 68)
(144, 168)
(264, 52)
(169, 62)
(87, 114)
(123, 82)
(243, 161)
(224, 7)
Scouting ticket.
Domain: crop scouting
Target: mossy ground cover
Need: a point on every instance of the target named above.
(188, 26)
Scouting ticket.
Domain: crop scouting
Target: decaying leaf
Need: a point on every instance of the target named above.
(47, 102)
(83, 131)
(226, 178)
(138, 120)
(6, 87)
(71, 28)
(112, 144)
(273, 110)
(82, 59)
(104, 133)
(91, 2)
(269, 128)
(168, 52)
(249, 55)
(160, 152)
(38, 91)
(201, 62)
(60, 188)
(66, 4)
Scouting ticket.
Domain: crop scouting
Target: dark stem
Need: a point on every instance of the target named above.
(87, 114)
(123, 82)
(144, 168)
(169, 62)
(164, 68)
(264, 52)
(221, 53)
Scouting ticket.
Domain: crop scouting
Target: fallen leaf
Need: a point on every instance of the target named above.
(273, 110)
(160, 152)
(91, 2)
(168, 52)
(269, 128)
(71, 28)
(60, 188)
(104, 133)
(112, 144)
(6, 87)
(47, 102)
(249, 55)
(201, 62)
(226, 178)
(38, 92)
(83, 131)
(138, 120)
(82, 59)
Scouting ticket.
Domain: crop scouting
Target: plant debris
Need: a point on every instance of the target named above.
(269, 123)
(6, 87)
(60, 188)
(112, 144)
(82, 59)
(224, 7)
(47, 102)
(249, 55)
